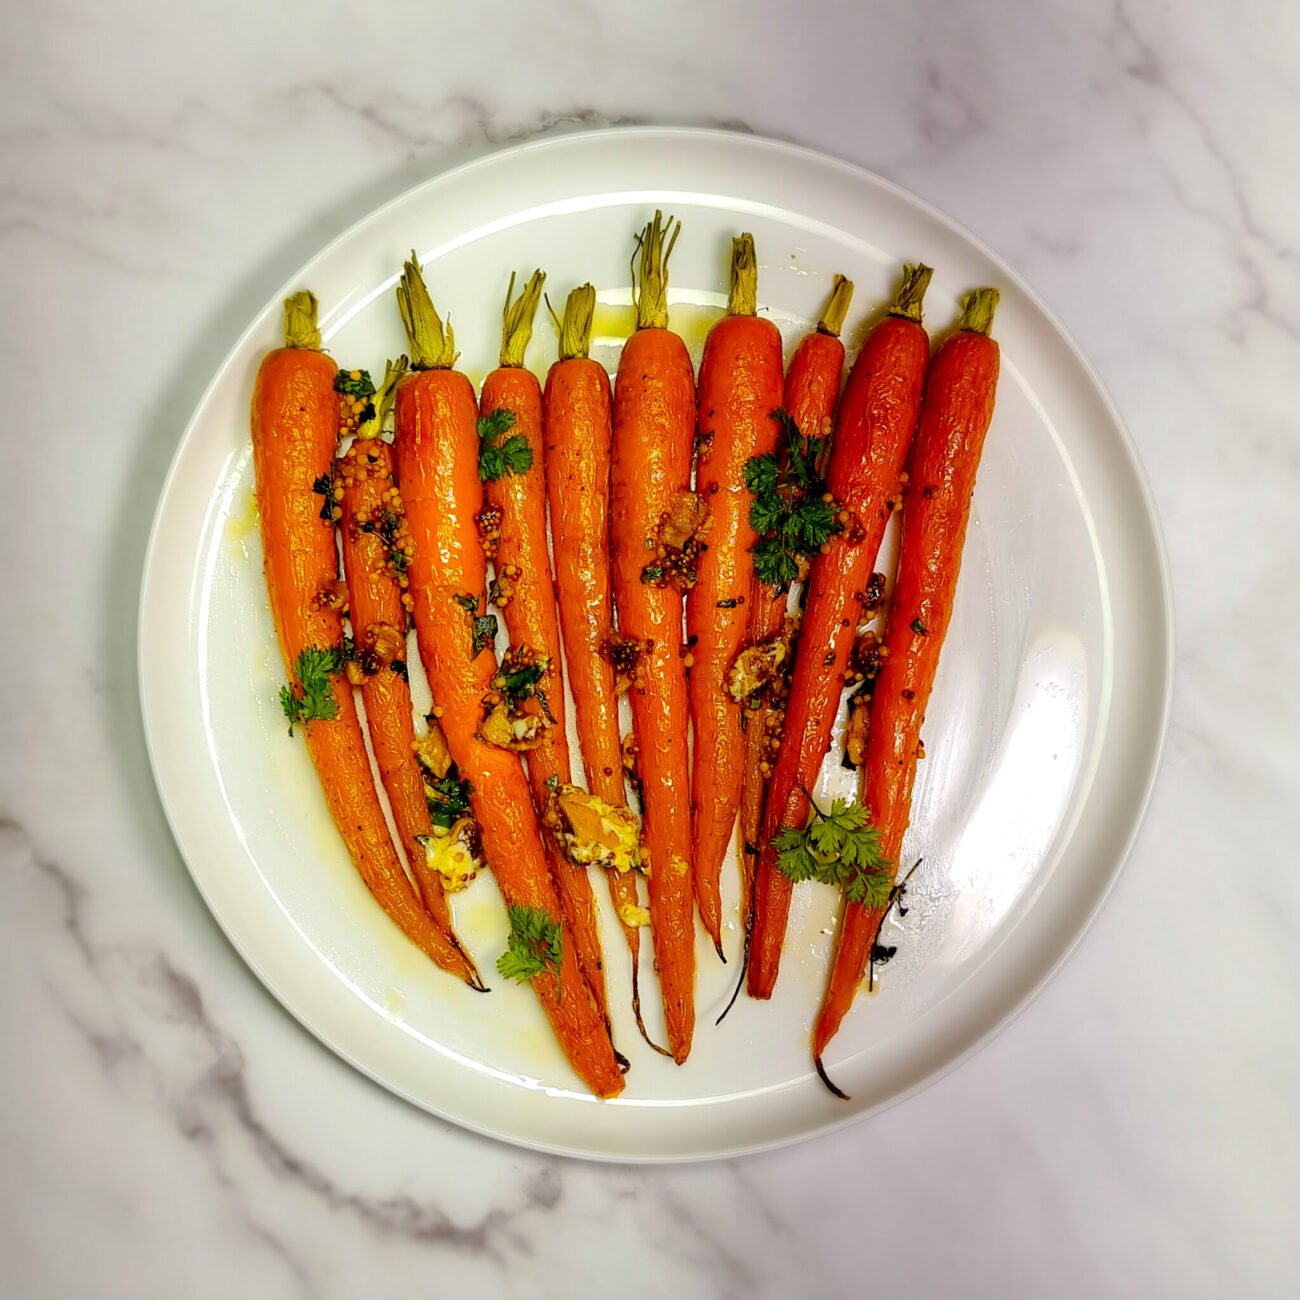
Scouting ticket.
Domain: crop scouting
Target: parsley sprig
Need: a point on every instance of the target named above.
(497, 454)
(535, 945)
(840, 848)
(789, 510)
(311, 698)
(482, 627)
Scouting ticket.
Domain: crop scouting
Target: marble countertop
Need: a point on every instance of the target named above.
(168, 1130)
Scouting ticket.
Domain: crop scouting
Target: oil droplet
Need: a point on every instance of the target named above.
(395, 1002)
(242, 523)
(693, 321)
(612, 324)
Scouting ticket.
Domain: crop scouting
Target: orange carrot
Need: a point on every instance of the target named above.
(437, 448)
(515, 491)
(812, 386)
(955, 416)
(654, 526)
(295, 428)
(739, 391)
(376, 553)
(873, 430)
(579, 440)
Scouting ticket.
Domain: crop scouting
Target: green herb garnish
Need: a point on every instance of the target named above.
(482, 627)
(355, 383)
(535, 945)
(448, 798)
(789, 509)
(311, 698)
(496, 458)
(918, 627)
(840, 848)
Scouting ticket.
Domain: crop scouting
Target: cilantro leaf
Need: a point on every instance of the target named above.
(789, 510)
(355, 383)
(840, 848)
(448, 798)
(535, 945)
(496, 458)
(483, 633)
(311, 698)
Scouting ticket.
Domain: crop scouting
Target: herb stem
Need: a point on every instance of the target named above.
(433, 346)
(837, 308)
(575, 328)
(742, 299)
(300, 328)
(911, 291)
(650, 259)
(977, 310)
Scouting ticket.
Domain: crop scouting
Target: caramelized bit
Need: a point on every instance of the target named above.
(627, 655)
(855, 738)
(589, 830)
(755, 666)
(431, 750)
(681, 539)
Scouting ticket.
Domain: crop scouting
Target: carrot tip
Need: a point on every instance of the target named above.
(636, 1010)
(722, 956)
(624, 1065)
(826, 1079)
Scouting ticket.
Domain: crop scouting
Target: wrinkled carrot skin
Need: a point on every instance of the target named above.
(740, 386)
(654, 423)
(578, 414)
(812, 386)
(531, 619)
(955, 417)
(873, 430)
(295, 426)
(375, 599)
(437, 446)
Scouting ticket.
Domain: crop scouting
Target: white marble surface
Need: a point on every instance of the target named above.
(167, 1130)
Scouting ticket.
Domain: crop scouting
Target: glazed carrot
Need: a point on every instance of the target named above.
(376, 553)
(873, 431)
(437, 450)
(812, 386)
(579, 439)
(955, 416)
(654, 525)
(515, 493)
(295, 428)
(739, 391)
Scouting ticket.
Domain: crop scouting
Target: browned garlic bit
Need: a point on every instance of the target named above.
(627, 655)
(755, 666)
(591, 831)
(431, 749)
(676, 554)
(518, 733)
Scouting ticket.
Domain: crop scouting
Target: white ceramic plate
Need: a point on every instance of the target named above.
(1043, 736)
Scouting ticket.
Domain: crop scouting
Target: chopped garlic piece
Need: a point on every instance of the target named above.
(592, 831)
(632, 915)
(451, 854)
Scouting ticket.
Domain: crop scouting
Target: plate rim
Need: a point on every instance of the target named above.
(1039, 981)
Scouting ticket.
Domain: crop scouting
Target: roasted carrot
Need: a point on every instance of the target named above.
(515, 493)
(873, 431)
(654, 527)
(739, 392)
(437, 449)
(955, 416)
(812, 386)
(295, 428)
(376, 554)
(579, 438)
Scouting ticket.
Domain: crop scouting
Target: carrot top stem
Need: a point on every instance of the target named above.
(977, 310)
(575, 329)
(650, 286)
(837, 308)
(517, 318)
(432, 346)
(742, 300)
(911, 292)
(382, 402)
(300, 330)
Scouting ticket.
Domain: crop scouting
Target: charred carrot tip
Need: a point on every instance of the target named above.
(826, 1079)
(636, 1011)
